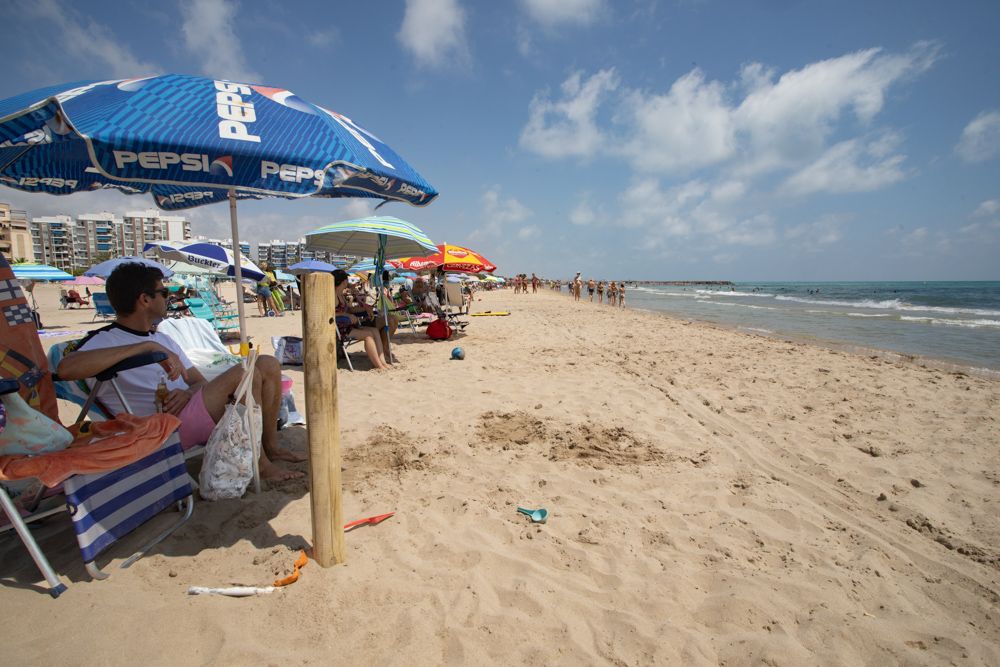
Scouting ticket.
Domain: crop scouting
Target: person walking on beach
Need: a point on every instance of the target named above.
(591, 286)
(534, 283)
(577, 286)
(612, 293)
(137, 294)
(265, 304)
(621, 295)
(600, 291)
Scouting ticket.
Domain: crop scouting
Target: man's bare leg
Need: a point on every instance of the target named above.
(216, 395)
(267, 392)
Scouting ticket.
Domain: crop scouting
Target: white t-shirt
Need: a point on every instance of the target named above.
(138, 384)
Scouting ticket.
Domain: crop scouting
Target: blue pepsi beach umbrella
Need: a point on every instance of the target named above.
(190, 141)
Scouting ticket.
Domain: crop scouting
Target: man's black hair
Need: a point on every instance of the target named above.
(339, 276)
(127, 282)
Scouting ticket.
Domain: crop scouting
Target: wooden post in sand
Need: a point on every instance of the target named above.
(319, 334)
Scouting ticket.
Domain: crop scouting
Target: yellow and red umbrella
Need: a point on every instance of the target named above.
(449, 258)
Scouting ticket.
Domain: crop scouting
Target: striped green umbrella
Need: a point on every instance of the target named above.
(381, 237)
(32, 271)
(360, 238)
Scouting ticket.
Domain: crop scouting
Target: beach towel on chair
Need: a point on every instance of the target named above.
(96, 447)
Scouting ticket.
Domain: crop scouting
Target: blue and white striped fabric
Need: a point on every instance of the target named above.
(30, 271)
(106, 506)
(208, 255)
(190, 140)
(361, 238)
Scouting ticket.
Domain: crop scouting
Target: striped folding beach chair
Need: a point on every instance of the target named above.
(107, 501)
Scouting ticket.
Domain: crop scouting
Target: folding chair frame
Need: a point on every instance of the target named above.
(19, 523)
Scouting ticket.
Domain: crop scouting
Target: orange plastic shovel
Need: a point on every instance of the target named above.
(371, 521)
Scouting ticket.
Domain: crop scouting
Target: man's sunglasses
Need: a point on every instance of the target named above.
(163, 291)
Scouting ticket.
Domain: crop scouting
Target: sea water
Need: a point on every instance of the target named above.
(955, 323)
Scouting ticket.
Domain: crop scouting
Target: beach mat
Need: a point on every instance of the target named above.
(490, 313)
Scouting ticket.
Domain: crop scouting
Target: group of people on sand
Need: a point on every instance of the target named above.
(522, 282)
(615, 290)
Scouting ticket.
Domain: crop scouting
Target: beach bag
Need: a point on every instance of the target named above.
(288, 350)
(439, 330)
(228, 466)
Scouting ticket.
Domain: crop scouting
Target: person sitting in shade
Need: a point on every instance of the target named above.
(357, 321)
(137, 294)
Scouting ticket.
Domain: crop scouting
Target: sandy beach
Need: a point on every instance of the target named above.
(715, 498)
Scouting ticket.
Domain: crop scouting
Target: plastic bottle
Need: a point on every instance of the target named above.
(161, 393)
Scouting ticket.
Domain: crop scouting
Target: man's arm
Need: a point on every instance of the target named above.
(83, 364)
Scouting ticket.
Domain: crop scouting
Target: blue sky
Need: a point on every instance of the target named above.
(694, 139)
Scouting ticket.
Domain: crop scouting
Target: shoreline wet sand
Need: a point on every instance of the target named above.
(715, 498)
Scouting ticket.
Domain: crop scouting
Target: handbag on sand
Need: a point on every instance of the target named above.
(229, 454)
(439, 329)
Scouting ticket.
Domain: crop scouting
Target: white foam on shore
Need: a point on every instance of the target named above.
(893, 304)
(970, 324)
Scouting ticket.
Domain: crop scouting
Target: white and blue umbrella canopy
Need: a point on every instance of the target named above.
(311, 266)
(361, 238)
(283, 277)
(104, 269)
(32, 271)
(209, 255)
(189, 141)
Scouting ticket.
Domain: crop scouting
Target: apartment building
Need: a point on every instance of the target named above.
(15, 237)
(225, 243)
(71, 244)
(282, 254)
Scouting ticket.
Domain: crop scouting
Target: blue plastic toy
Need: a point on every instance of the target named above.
(458, 353)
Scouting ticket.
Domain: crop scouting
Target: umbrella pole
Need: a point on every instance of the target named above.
(239, 270)
(243, 328)
(380, 287)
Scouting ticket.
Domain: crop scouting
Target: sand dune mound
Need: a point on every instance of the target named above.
(587, 443)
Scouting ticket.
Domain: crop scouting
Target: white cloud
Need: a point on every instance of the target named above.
(357, 207)
(562, 12)
(813, 236)
(644, 203)
(980, 139)
(687, 128)
(586, 212)
(209, 35)
(568, 128)
(499, 213)
(434, 32)
(758, 230)
(758, 124)
(987, 208)
(788, 120)
(850, 166)
(323, 38)
(528, 232)
(85, 43)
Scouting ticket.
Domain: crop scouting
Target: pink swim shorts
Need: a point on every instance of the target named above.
(196, 423)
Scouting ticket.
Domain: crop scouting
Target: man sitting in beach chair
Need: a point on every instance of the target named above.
(139, 298)
(72, 296)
